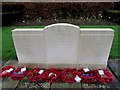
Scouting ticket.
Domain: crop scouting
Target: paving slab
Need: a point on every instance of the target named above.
(65, 85)
(25, 83)
(13, 63)
(115, 84)
(8, 83)
(94, 85)
(114, 65)
(2, 62)
(0, 84)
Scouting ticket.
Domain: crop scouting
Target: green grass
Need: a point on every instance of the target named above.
(8, 50)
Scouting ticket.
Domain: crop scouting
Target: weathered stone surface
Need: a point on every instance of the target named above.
(114, 65)
(25, 83)
(13, 63)
(66, 85)
(0, 84)
(8, 83)
(94, 85)
(2, 62)
(115, 84)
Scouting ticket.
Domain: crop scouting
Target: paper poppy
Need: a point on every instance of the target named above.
(104, 76)
(19, 73)
(87, 76)
(6, 71)
(36, 74)
(52, 75)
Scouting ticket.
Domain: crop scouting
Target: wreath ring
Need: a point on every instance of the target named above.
(36, 74)
(52, 75)
(68, 71)
(6, 71)
(107, 78)
(18, 75)
(86, 76)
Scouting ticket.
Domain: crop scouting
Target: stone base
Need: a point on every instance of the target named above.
(63, 66)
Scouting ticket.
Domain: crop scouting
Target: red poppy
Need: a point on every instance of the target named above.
(6, 71)
(36, 74)
(70, 78)
(52, 75)
(19, 73)
(106, 77)
(86, 76)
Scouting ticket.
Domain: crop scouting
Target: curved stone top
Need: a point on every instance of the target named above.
(62, 24)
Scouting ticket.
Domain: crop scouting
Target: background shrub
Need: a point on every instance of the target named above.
(112, 15)
(11, 12)
(50, 10)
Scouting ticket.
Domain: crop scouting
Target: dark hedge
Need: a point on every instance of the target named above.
(112, 15)
(52, 10)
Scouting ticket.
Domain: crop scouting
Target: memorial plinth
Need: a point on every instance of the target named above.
(63, 45)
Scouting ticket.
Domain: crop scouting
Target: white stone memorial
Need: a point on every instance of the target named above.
(63, 45)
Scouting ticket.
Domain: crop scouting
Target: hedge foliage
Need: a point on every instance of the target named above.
(48, 10)
(52, 10)
(11, 12)
(112, 15)
(10, 17)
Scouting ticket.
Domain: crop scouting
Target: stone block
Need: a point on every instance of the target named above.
(63, 45)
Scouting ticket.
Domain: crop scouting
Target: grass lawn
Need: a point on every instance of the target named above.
(8, 50)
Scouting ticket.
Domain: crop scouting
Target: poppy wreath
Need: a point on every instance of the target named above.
(19, 73)
(86, 76)
(36, 74)
(52, 75)
(106, 78)
(6, 71)
(68, 75)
